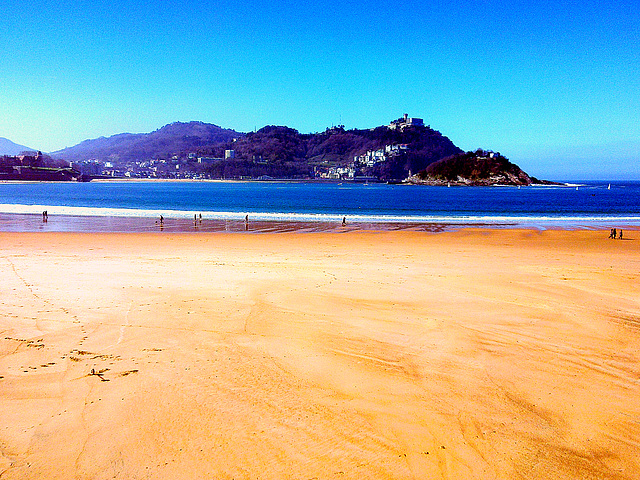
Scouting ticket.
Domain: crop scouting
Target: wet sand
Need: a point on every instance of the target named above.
(470, 354)
(96, 224)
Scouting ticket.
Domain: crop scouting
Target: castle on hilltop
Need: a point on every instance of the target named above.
(406, 121)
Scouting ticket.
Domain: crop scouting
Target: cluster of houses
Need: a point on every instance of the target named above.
(337, 173)
(174, 167)
(159, 168)
(368, 159)
(373, 157)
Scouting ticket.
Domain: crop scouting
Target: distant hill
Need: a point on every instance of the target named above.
(477, 168)
(169, 140)
(7, 147)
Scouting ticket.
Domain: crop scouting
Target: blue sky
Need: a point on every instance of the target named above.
(553, 86)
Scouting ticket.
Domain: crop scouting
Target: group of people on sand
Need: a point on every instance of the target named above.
(197, 220)
(614, 234)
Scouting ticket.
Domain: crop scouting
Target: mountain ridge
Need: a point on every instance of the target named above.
(7, 147)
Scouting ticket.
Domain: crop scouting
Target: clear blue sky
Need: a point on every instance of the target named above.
(554, 86)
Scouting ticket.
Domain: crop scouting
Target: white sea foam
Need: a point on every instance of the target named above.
(318, 217)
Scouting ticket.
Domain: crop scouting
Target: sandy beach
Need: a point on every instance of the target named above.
(473, 354)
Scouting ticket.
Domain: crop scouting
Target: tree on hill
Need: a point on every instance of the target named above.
(335, 146)
(272, 144)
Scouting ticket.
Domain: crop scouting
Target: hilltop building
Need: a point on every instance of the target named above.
(405, 122)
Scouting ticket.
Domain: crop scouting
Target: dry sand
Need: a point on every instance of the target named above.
(462, 355)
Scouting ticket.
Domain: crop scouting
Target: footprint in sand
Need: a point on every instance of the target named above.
(99, 374)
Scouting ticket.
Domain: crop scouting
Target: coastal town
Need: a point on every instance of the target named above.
(269, 153)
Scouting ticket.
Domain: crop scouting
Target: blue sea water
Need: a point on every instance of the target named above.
(589, 203)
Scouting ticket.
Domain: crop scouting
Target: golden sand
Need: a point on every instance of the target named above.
(463, 355)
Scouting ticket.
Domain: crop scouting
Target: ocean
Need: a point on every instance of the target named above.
(576, 205)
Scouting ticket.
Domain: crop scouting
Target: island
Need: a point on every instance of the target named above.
(479, 168)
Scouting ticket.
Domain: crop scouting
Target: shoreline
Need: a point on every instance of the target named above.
(32, 222)
(130, 224)
(555, 183)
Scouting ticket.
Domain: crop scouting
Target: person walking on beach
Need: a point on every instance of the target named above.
(344, 221)
(246, 222)
(614, 233)
(161, 220)
(620, 236)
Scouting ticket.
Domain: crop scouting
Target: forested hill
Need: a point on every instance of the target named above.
(278, 151)
(173, 139)
(285, 149)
